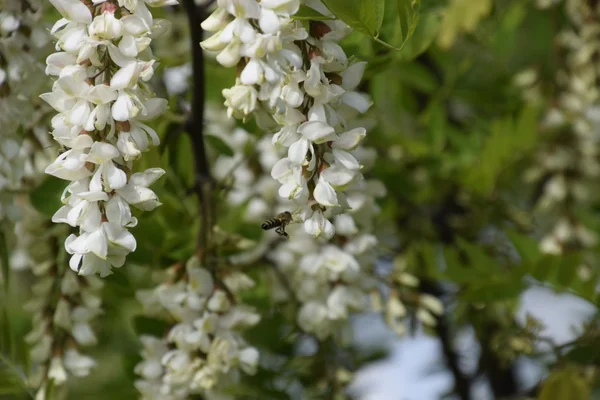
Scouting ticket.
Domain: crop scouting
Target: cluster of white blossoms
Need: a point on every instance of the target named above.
(332, 280)
(102, 99)
(404, 294)
(303, 83)
(568, 164)
(329, 280)
(23, 137)
(63, 304)
(204, 351)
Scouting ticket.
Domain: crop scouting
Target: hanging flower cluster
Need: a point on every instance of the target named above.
(328, 280)
(333, 280)
(23, 40)
(568, 164)
(102, 99)
(63, 304)
(303, 81)
(204, 351)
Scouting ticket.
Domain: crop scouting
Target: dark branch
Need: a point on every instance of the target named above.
(462, 382)
(195, 128)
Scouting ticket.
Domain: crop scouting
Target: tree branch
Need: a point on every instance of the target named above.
(195, 127)
(462, 381)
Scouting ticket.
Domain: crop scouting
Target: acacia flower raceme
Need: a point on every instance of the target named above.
(102, 64)
(566, 167)
(306, 86)
(204, 351)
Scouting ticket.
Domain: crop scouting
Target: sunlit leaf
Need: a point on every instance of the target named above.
(365, 16)
(310, 14)
(461, 16)
(408, 14)
(566, 383)
(421, 37)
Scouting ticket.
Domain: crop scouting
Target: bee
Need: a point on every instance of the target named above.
(279, 222)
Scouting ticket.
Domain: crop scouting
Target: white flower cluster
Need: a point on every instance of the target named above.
(405, 293)
(329, 280)
(570, 161)
(332, 280)
(23, 39)
(204, 352)
(102, 100)
(63, 304)
(304, 82)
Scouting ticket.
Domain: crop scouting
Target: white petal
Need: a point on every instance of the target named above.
(352, 76)
(359, 101)
(73, 10)
(252, 73)
(316, 131)
(56, 62)
(124, 108)
(325, 194)
(146, 178)
(114, 178)
(126, 77)
(102, 152)
(297, 151)
(230, 56)
(269, 22)
(119, 237)
(281, 168)
(216, 21)
(337, 176)
(96, 243)
(349, 140)
(102, 94)
(346, 159)
(128, 46)
(154, 107)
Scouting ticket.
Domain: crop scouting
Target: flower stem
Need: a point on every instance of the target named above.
(195, 127)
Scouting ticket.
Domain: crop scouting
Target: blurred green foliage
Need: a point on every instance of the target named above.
(452, 135)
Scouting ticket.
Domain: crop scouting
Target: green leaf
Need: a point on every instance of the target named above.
(421, 37)
(527, 247)
(507, 142)
(478, 258)
(364, 16)
(461, 16)
(309, 14)
(10, 384)
(408, 12)
(219, 145)
(567, 269)
(586, 353)
(490, 292)
(545, 268)
(566, 383)
(46, 197)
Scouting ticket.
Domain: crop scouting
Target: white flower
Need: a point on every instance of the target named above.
(73, 10)
(313, 318)
(241, 100)
(78, 364)
(106, 26)
(102, 125)
(317, 225)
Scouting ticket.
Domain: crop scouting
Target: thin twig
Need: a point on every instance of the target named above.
(195, 127)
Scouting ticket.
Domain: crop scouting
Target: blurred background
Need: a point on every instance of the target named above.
(485, 132)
